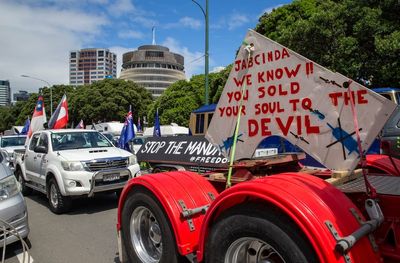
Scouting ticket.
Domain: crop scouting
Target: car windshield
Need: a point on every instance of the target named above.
(78, 140)
(12, 141)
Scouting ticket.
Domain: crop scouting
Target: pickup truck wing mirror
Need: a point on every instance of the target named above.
(40, 149)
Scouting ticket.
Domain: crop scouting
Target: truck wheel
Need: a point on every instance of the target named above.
(146, 232)
(57, 202)
(246, 236)
(25, 190)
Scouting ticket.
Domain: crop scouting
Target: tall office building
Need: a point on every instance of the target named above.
(91, 64)
(5, 93)
(153, 67)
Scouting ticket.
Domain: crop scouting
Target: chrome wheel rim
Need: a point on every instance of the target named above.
(53, 196)
(252, 250)
(146, 235)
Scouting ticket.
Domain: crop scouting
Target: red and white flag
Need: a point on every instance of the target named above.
(38, 117)
(60, 116)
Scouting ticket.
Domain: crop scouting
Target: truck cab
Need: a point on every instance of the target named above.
(68, 163)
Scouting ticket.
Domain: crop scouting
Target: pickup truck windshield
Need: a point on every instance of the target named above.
(12, 141)
(78, 140)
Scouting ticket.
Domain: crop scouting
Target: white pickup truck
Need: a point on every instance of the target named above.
(67, 163)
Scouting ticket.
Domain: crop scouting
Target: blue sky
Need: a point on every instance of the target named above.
(37, 35)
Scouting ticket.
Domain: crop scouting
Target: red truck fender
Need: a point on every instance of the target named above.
(170, 189)
(308, 201)
(383, 163)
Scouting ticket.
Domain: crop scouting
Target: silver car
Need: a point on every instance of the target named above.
(9, 143)
(13, 213)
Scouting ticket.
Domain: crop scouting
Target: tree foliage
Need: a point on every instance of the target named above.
(360, 39)
(106, 100)
(182, 97)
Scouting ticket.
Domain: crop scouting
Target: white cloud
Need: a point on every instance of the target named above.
(193, 60)
(231, 22)
(237, 20)
(185, 22)
(130, 34)
(36, 41)
(120, 7)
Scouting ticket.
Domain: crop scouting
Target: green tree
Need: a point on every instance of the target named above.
(360, 39)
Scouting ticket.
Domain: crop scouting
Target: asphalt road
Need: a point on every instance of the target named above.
(87, 234)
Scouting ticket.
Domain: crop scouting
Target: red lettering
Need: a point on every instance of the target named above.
(282, 127)
(261, 92)
(298, 124)
(334, 97)
(281, 91)
(285, 53)
(264, 127)
(306, 103)
(221, 111)
(270, 75)
(293, 72)
(279, 73)
(360, 97)
(260, 77)
(294, 87)
(271, 90)
(246, 78)
(252, 126)
(237, 65)
(310, 129)
(237, 95)
(294, 104)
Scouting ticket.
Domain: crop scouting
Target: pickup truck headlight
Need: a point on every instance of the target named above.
(132, 159)
(72, 166)
(8, 187)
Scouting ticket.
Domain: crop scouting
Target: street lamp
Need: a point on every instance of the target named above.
(205, 13)
(51, 92)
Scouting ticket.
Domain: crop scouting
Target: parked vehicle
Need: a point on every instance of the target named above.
(273, 209)
(13, 211)
(112, 138)
(69, 163)
(167, 130)
(9, 143)
(389, 139)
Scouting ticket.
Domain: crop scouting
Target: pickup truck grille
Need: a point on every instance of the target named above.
(104, 164)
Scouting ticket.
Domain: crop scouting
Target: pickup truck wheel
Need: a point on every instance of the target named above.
(58, 203)
(249, 235)
(25, 190)
(146, 233)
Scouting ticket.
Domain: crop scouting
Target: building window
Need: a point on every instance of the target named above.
(73, 54)
(100, 53)
(154, 54)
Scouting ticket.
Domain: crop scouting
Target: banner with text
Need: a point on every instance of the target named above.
(184, 150)
(286, 94)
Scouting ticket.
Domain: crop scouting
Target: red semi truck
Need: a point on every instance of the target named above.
(273, 209)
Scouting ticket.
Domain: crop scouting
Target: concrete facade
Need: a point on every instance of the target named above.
(91, 64)
(5, 93)
(153, 67)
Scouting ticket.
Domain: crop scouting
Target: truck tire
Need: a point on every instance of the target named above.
(57, 202)
(146, 232)
(25, 190)
(252, 235)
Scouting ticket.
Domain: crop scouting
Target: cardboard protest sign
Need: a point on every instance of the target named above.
(289, 95)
